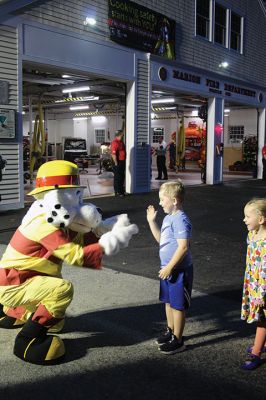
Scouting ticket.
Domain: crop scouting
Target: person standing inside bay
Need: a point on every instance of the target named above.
(161, 160)
(118, 152)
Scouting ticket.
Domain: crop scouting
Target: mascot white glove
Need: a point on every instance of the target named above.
(119, 237)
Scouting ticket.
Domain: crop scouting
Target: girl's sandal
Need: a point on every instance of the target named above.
(249, 349)
(251, 362)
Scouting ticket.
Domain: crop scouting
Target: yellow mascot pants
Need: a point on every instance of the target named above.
(47, 298)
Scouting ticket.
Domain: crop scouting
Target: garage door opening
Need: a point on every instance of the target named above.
(240, 142)
(73, 116)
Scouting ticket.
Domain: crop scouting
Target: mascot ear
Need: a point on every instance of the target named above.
(35, 209)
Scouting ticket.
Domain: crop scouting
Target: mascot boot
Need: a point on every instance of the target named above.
(7, 322)
(33, 345)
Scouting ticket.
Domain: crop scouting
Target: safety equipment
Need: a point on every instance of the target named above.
(55, 175)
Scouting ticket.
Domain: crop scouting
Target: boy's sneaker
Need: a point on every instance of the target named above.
(172, 346)
(165, 337)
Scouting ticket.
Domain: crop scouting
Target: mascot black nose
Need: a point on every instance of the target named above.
(62, 225)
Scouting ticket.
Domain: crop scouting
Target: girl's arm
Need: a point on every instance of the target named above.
(155, 230)
(179, 254)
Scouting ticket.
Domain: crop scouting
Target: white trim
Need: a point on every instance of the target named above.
(242, 36)
(210, 142)
(261, 138)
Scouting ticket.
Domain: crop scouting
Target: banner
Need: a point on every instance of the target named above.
(133, 25)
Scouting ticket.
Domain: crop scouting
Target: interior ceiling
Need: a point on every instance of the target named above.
(45, 85)
(42, 84)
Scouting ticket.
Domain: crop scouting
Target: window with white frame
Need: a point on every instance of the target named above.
(203, 18)
(236, 133)
(236, 32)
(219, 24)
(157, 133)
(99, 135)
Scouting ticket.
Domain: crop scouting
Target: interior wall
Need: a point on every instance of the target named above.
(246, 118)
(57, 129)
(60, 128)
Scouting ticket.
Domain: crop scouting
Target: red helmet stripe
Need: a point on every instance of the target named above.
(57, 180)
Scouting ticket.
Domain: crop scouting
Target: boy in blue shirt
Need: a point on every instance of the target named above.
(176, 273)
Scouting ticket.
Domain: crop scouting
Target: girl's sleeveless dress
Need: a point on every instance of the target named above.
(254, 288)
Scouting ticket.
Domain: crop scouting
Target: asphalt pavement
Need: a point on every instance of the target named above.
(115, 315)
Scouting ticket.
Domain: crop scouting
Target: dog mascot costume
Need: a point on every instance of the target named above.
(57, 228)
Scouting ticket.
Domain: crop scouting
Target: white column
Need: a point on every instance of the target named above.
(261, 138)
(130, 135)
(214, 158)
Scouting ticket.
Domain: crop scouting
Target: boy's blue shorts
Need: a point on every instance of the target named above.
(176, 290)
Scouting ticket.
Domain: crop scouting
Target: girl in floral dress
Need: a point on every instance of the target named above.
(254, 289)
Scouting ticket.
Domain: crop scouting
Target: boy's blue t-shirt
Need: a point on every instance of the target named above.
(177, 226)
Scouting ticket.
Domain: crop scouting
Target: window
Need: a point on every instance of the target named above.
(99, 135)
(203, 18)
(220, 25)
(236, 37)
(156, 134)
(236, 134)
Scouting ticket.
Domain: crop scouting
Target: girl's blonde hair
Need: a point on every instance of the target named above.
(259, 204)
(174, 189)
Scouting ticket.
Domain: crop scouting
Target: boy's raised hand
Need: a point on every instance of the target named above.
(151, 213)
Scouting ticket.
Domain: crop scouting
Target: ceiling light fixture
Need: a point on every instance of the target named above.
(90, 21)
(224, 64)
(76, 89)
(163, 100)
(72, 108)
(65, 76)
(79, 118)
(98, 118)
(227, 110)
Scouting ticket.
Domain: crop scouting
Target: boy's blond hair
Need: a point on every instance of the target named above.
(259, 204)
(174, 189)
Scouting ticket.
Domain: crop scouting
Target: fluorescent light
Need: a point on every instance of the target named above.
(93, 98)
(98, 118)
(79, 108)
(79, 118)
(76, 89)
(65, 76)
(170, 108)
(163, 100)
(227, 110)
